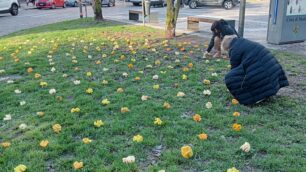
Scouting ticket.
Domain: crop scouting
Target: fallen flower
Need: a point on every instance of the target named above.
(167, 105)
(144, 98)
(89, 74)
(52, 91)
(78, 165)
(208, 105)
(44, 143)
(245, 147)
(156, 87)
(180, 94)
(22, 103)
(86, 140)
(124, 110)
(236, 127)
(23, 126)
(120, 90)
(75, 110)
(155, 77)
(232, 170)
(53, 69)
(6, 145)
(7, 117)
(197, 117)
(207, 92)
(236, 114)
(43, 84)
(17, 91)
(105, 102)
(214, 74)
(128, 160)
(40, 114)
(158, 121)
(20, 168)
(76, 82)
(202, 136)
(186, 152)
(89, 90)
(57, 128)
(138, 138)
(98, 123)
(235, 101)
(37, 76)
(206, 82)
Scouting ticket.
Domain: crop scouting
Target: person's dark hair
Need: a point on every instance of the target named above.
(218, 25)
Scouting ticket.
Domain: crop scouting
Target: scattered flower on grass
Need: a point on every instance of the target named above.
(235, 101)
(206, 82)
(208, 105)
(158, 121)
(65, 75)
(104, 82)
(184, 77)
(131, 66)
(89, 90)
(17, 91)
(86, 140)
(75, 110)
(30, 70)
(23, 126)
(124, 110)
(20, 168)
(43, 84)
(128, 159)
(236, 127)
(155, 77)
(40, 114)
(197, 118)
(37, 76)
(57, 128)
(98, 123)
(137, 78)
(138, 138)
(78, 165)
(180, 94)
(22, 103)
(53, 69)
(236, 114)
(7, 117)
(52, 91)
(167, 105)
(120, 90)
(186, 152)
(233, 169)
(203, 136)
(125, 74)
(10, 82)
(246, 147)
(207, 92)
(89, 74)
(44, 143)
(190, 65)
(77, 82)
(214, 74)
(6, 145)
(105, 102)
(156, 87)
(144, 98)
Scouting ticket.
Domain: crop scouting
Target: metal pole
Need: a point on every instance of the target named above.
(241, 18)
(80, 5)
(143, 12)
(85, 5)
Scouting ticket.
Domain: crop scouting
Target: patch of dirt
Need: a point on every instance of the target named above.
(50, 166)
(153, 157)
(10, 77)
(296, 88)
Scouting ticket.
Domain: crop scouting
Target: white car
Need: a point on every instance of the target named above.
(9, 6)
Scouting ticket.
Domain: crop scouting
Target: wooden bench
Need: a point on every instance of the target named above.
(193, 22)
(135, 15)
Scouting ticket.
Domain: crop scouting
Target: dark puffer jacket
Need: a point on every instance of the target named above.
(255, 73)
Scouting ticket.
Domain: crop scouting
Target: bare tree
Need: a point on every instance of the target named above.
(171, 18)
(96, 5)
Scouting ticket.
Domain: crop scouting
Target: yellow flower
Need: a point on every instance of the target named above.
(167, 105)
(43, 84)
(236, 127)
(158, 121)
(185, 69)
(6, 144)
(78, 165)
(37, 76)
(87, 141)
(235, 101)
(156, 87)
(186, 152)
(206, 82)
(122, 57)
(232, 170)
(98, 123)
(20, 168)
(137, 78)
(40, 114)
(120, 90)
(44, 143)
(157, 62)
(197, 117)
(236, 114)
(104, 55)
(202, 136)
(190, 65)
(75, 110)
(57, 128)
(98, 62)
(105, 102)
(104, 82)
(89, 91)
(124, 109)
(138, 138)
(130, 66)
(89, 74)
(184, 77)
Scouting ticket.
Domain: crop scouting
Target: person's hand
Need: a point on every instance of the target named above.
(206, 54)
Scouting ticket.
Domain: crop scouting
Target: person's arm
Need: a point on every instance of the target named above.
(211, 44)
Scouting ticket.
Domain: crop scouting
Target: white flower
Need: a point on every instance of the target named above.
(206, 61)
(144, 98)
(180, 94)
(17, 91)
(125, 74)
(245, 147)
(49, 56)
(105, 69)
(51, 63)
(50, 60)
(177, 53)
(10, 82)
(53, 69)
(177, 61)
(155, 77)
(27, 63)
(170, 67)
(214, 74)
(77, 82)
(23, 126)
(7, 117)
(67, 54)
(140, 71)
(208, 105)
(89, 56)
(129, 159)
(73, 57)
(65, 75)
(149, 66)
(218, 60)
(163, 72)
(206, 92)
(2, 71)
(162, 171)
(52, 91)
(22, 103)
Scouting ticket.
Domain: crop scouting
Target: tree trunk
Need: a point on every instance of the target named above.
(171, 18)
(96, 5)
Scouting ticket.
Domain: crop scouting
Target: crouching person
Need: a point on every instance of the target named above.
(255, 73)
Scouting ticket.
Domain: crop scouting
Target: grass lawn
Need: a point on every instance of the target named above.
(78, 72)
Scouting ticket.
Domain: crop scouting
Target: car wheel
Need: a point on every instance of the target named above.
(228, 4)
(14, 10)
(192, 4)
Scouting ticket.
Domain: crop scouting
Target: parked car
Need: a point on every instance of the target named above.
(9, 6)
(161, 3)
(227, 4)
(109, 3)
(50, 4)
(71, 3)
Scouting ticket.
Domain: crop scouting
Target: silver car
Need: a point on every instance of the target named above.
(227, 4)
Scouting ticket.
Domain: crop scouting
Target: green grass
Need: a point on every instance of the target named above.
(275, 129)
